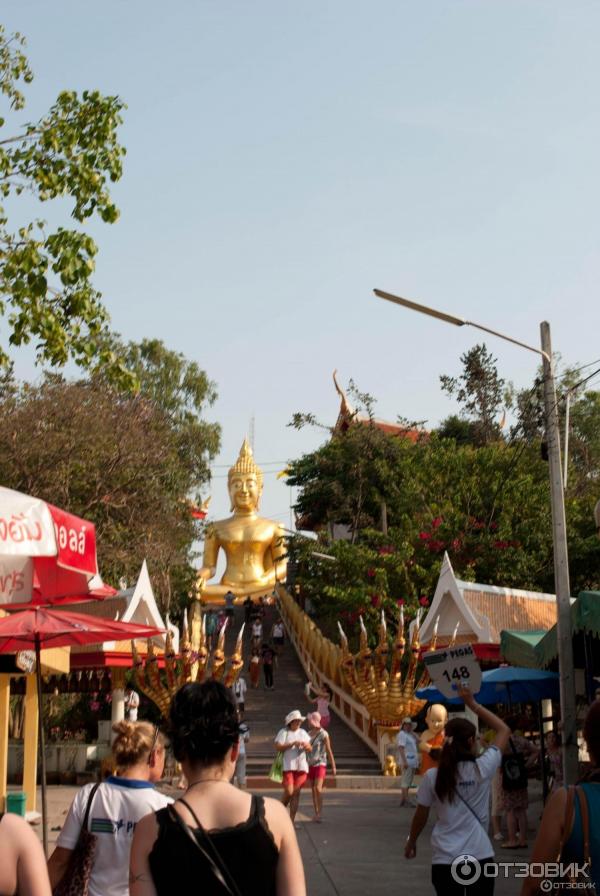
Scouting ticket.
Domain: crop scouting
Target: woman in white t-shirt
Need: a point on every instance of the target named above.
(116, 805)
(459, 789)
(257, 633)
(294, 742)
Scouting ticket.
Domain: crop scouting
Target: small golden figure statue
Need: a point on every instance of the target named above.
(391, 767)
(254, 547)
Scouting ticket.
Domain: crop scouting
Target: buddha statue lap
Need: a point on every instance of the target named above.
(254, 547)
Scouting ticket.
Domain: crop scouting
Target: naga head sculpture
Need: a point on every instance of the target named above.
(194, 663)
(376, 677)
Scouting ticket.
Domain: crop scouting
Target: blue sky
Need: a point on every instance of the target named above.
(284, 159)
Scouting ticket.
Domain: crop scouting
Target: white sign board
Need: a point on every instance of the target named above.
(451, 666)
(25, 661)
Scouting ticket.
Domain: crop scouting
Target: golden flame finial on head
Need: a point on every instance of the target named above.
(246, 464)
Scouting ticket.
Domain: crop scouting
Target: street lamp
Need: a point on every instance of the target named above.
(559, 527)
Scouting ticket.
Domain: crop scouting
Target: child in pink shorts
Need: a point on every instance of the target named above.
(320, 752)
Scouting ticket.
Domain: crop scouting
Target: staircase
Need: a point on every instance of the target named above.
(266, 710)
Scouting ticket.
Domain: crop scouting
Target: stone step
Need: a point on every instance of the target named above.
(266, 709)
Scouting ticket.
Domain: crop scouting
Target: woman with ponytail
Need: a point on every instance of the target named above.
(459, 789)
(113, 808)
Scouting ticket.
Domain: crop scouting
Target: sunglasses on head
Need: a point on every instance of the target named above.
(154, 741)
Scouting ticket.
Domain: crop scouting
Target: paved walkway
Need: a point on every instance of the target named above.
(356, 851)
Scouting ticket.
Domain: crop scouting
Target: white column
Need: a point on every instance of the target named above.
(118, 697)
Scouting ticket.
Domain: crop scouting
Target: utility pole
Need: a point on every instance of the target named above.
(561, 568)
(568, 702)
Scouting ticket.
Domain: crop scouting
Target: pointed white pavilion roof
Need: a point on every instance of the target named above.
(483, 611)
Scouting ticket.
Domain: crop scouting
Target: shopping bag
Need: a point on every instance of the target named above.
(276, 770)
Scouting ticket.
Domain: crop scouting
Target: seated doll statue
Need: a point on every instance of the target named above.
(432, 739)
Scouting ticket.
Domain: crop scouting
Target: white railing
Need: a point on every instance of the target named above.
(320, 659)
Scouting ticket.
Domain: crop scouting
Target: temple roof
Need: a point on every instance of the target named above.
(484, 611)
(136, 604)
(348, 416)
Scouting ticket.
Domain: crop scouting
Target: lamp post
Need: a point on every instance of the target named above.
(559, 529)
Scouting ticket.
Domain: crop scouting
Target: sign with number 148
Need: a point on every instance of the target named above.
(451, 666)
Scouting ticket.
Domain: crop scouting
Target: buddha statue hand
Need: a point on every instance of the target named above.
(199, 586)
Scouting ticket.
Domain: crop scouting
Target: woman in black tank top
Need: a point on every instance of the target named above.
(247, 849)
(216, 839)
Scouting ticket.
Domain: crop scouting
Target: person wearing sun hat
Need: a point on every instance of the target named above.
(294, 742)
(409, 759)
(320, 742)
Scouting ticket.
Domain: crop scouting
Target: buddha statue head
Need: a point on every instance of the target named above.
(245, 482)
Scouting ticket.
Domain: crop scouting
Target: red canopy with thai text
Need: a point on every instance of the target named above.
(45, 552)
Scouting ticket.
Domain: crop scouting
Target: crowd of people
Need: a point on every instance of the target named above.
(460, 789)
(123, 836)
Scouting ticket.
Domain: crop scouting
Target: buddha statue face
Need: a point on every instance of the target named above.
(436, 718)
(245, 482)
(244, 493)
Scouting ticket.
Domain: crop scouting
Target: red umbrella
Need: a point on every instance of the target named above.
(45, 553)
(39, 627)
(98, 590)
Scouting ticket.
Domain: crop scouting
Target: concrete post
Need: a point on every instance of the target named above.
(564, 630)
(30, 742)
(4, 720)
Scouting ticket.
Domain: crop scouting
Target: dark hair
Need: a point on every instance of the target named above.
(203, 722)
(591, 732)
(456, 749)
(329, 691)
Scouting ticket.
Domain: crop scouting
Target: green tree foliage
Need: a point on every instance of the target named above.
(480, 391)
(121, 461)
(487, 505)
(46, 293)
(181, 390)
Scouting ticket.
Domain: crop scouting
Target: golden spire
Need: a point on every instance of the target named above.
(246, 464)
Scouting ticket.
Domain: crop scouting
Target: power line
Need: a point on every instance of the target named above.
(578, 369)
(585, 380)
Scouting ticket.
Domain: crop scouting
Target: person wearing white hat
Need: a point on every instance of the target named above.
(294, 742)
(408, 759)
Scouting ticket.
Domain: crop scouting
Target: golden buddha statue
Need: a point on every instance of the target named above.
(254, 547)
